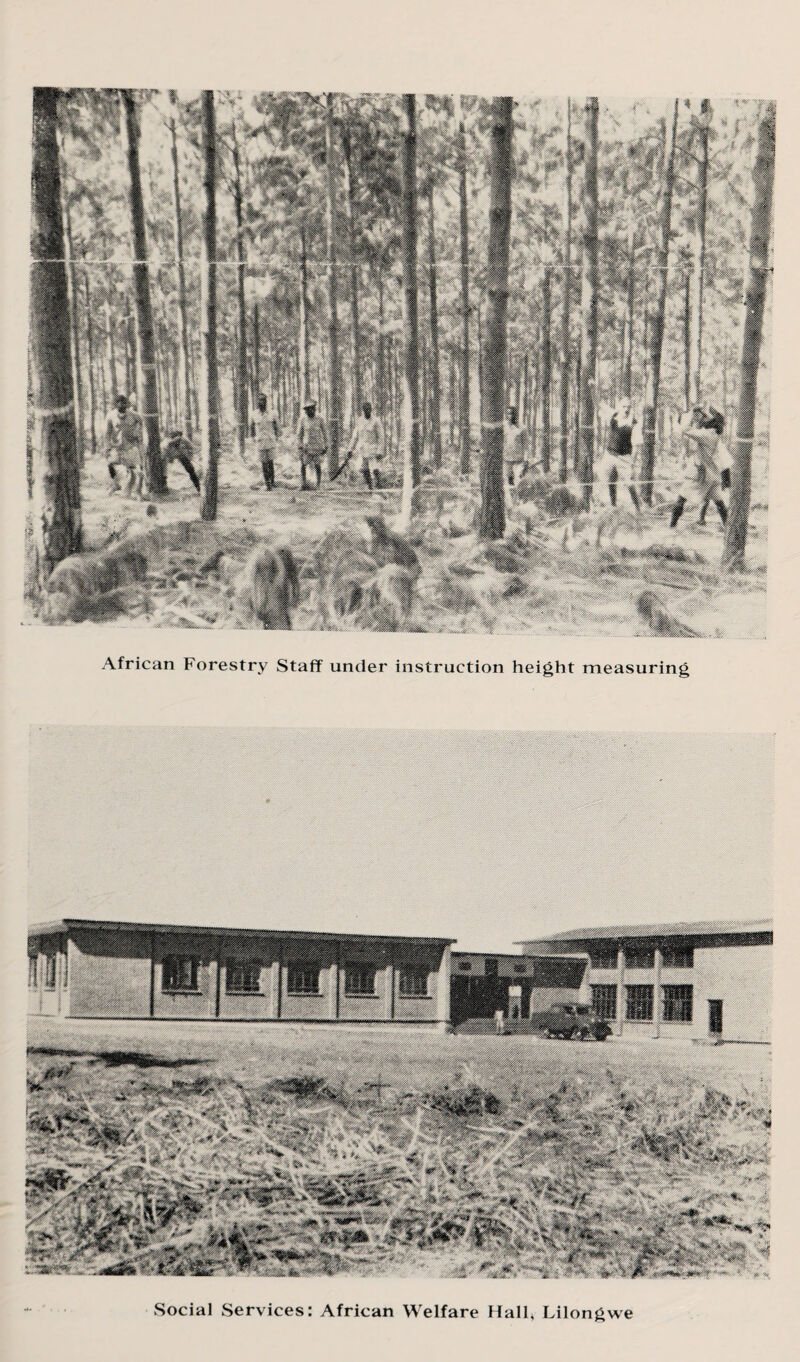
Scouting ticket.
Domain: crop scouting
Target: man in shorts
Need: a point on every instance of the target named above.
(515, 447)
(367, 442)
(312, 442)
(703, 481)
(178, 450)
(125, 446)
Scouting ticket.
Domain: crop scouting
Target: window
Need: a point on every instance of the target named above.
(33, 971)
(491, 966)
(179, 974)
(676, 1005)
(639, 1002)
(465, 965)
(678, 957)
(639, 957)
(605, 957)
(604, 1001)
(520, 969)
(50, 969)
(243, 976)
(302, 978)
(413, 982)
(359, 980)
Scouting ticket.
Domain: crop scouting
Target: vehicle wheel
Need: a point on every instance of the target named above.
(584, 1033)
(575, 1034)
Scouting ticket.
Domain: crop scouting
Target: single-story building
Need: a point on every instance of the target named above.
(80, 968)
(701, 980)
(482, 985)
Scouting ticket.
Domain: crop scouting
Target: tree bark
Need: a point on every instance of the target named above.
(492, 511)
(630, 306)
(546, 371)
(256, 355)
(436, 414)
(209, 388)
(566, 286)
(381, 365)
(72, 295)
(305, 361)
(350, 194)
(241, 307)
(181, 273)
(411, 430)
(154, 479)
(112, 353)
(589, 296)
(699, 256)
(56, 504)
(750, 345)
(656, 322)
(90, 357)
(334, 409)
(464, 243)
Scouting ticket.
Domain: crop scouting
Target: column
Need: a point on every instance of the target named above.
(443, 989)
(657, 962)
(620, 988)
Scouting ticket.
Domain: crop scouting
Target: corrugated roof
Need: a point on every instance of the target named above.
(91, 924)
(655, 929)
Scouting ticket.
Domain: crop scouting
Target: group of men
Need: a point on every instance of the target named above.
(125, 438)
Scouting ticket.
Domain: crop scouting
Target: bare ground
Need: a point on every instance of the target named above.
(555, 575)
(215, 1150)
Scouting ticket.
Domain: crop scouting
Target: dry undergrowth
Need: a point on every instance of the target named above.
(203, 1176)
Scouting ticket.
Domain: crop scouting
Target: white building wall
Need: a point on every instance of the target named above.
(741, 976)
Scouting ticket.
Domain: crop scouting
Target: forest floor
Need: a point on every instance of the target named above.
(207, 1150)
(557, 574)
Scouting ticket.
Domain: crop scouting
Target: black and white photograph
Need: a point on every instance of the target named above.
(394, 1003)
(383, 362)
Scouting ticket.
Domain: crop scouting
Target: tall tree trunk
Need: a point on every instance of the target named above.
(689, 387)
(112, 353)
(334, 397)
(350, 195)
(436, 414)
(699, 255)
(256, 355)
(305, 361)
(589, 295)
(209, 388)
(566, 284)
(656, 322)
(72, 295)
(492, 511)
(90, 367)
(630, 306)
(751, 331)
(154, 479)
(546, 370)
(411, 430)
(181, 274)
(464, 243)
(56, 504)
(241, 308)
(381, 375)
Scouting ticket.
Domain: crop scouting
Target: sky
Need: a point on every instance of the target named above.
(483, 837)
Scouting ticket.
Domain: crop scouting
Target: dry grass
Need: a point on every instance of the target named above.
(154, 1168)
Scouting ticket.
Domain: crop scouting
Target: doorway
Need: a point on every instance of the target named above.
(715, 1016)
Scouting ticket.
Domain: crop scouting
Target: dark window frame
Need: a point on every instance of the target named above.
(353, 985)
(299, 989)
(604, 1001)
(598, 959)
(677, 957)
(179, 985)
(250, 983)
(418, 976)
(639, 1002)
(33, 971)
(677, 998)
(640, 957)
(50, 970)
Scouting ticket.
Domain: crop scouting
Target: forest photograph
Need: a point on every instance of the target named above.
(386, 362)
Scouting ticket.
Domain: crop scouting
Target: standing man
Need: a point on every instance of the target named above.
(312, 442)
(704, 481)
(617, 463)
(125, 445)
(267, 433)
(514, 447)
(178, 450)
(367, 441)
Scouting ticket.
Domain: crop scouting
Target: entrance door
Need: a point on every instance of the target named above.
(715, 1016)
(514, 1002)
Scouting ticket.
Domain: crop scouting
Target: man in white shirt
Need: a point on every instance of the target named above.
(515, 447)
(702, 432)
(267, 433)
(125, 445)
(367, 442)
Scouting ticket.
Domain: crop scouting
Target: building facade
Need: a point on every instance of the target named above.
(79, 968)
(702, 980)
(482, 985)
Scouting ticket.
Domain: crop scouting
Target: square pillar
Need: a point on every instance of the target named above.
(620, 988)
(443, 987)
(657, 963)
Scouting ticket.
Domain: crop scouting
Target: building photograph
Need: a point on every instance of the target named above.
(279, 968)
